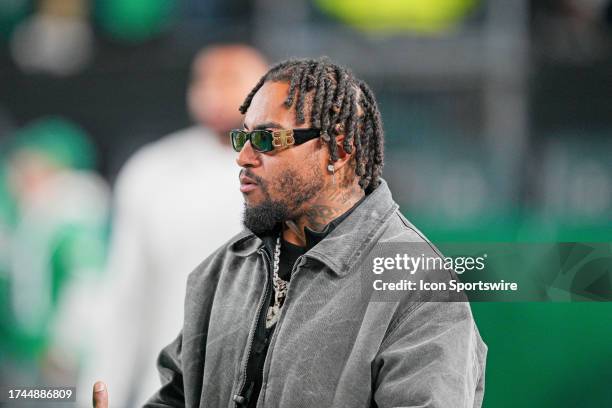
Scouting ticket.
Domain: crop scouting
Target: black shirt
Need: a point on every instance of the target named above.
(288, 255)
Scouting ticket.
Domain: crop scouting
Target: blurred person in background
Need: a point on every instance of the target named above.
(53, 228)
(175, 202)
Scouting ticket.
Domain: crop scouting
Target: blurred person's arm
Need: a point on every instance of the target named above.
(77, 263)
(119, 313)
(433, 357)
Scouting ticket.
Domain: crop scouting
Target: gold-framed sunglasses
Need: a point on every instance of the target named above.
(265, 140)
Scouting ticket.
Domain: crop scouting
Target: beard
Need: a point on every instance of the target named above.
(294, 189)
(263, 218)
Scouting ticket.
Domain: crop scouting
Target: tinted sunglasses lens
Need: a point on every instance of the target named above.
(261, 140)
(239, 139)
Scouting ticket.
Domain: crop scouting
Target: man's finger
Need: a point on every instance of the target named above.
(100, 395)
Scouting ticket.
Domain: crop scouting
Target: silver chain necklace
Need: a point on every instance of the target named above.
(280, 289)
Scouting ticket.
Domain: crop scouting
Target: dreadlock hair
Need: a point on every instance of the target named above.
(338, 104)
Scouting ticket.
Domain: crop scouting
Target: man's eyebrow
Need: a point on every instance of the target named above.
(268, 125)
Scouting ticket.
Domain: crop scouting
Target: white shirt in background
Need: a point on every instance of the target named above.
(176, 201)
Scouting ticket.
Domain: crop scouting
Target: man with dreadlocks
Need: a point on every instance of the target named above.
(276, 317)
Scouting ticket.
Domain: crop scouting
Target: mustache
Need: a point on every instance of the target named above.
(249, 174)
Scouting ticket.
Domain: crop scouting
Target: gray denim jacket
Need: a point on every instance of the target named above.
(331, 347)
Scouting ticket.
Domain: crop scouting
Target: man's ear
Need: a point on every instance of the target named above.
(343, 156)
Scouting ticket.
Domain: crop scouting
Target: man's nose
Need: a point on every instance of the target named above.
(248, 157)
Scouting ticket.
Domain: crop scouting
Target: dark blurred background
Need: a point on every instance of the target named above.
(498, 118)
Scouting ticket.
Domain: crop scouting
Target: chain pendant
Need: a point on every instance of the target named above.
(272, 316)
(280, 290)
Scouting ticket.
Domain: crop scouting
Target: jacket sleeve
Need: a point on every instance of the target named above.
(171, 393)
(432, 357)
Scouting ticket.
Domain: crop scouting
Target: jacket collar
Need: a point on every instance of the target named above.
(343, 247)
(245, 243)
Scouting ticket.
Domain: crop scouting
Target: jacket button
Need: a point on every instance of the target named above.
(239, 399)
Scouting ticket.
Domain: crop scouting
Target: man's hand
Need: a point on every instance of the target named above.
(100, 395)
